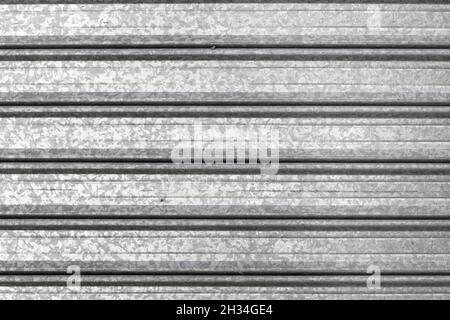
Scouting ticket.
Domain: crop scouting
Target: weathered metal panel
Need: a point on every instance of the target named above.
(95, 96)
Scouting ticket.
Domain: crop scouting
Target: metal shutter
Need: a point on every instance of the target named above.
(95, 96)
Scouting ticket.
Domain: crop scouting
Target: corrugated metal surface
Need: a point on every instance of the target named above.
(95, 96)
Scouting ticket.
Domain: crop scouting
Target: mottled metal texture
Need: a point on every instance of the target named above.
(270, 24)
(305, 138)
(95, 95)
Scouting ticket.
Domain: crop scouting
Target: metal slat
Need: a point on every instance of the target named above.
(155, 138)
(215, 195)
(229, 24)
(230, 81)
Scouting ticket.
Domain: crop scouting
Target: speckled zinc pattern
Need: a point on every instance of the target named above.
(95, 96)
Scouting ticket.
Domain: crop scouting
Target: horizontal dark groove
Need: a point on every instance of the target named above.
(219, 115)
(221, 111)
(317, 161)
(84, 160)
(231, 114)
(228, 217)
(245, 54)
(362, 283)
(242, 225)
(202, 103)
(203, 172)
(232, 111)
(197, 283)
(221, 46)
(216, 273)
(366, 161)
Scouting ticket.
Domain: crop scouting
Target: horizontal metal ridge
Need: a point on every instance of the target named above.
(229, 81)
(156, 139)
(187, 294)
(217, 111)
(217, 252)
(313, 193)
(218, 263)
(393, 283)
(287, 23)
(225, 287)
(310, 54)
(347, 168)
(332, 226)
